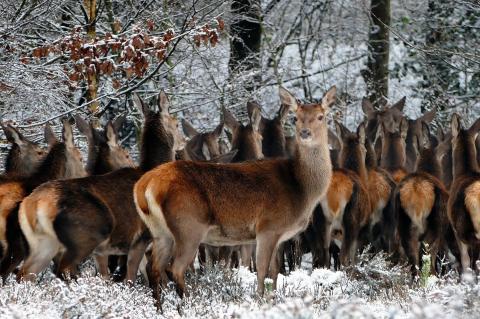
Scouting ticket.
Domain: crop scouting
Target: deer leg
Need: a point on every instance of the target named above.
(464, 255)
(434, 249)
(102, 262)
(327, 239)
(185, 249)
(41, 254)
(275, 265)
(162, 248)
(266, 244)
(135, 255)
(246, 252)
(411, 245)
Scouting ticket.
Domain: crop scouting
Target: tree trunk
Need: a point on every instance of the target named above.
(376, 75)
(246, 33)
(92, 76)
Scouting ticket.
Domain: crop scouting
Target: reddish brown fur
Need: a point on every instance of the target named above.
(265, 201)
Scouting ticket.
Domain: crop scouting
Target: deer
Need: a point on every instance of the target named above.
(103, 155)
(463, 207)
(24, 155)
(389, 116)
(96, 214)
(393, 154)
(247, 141)
(421, 204)
(62, 161)
(381, 188)
(347, 207)
(265, 202)
(201, 146)
(414, 133)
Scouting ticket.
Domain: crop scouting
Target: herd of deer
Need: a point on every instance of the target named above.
(391, 184)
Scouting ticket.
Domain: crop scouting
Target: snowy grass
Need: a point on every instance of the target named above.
(372, 289)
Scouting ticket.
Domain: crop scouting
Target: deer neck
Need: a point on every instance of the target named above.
(371, 157)
(428, 163)
(465, 158)
(313, 168)
(52, 167)
(157, 146)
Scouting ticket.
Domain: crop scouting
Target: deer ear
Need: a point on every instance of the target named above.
(251, 106)
(400, 104)
(140, 104)
(283, 113)
(425, 134)
(163, 102)
(380, 134)
(67, 133)
(219, 129)
(225, 158)
(416, 144)
(333, 140)
(442, 148)
(118, 122)
(83, 126)
(403, 128)
(50, 137)
(111, 135)
(229, 120)
(475, 127)
(188, 129)
(287, 98)
(255, 119)
(367, 108)
(329, 98)
(456, 125)
(427, 117)
(12, 134)
(440, 134)
(206, 152)
(361, 133)
(340, 129)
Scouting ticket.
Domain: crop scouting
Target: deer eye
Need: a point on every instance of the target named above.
(320, 117)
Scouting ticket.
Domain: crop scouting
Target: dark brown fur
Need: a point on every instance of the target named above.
(62, 161)
(421, 203)
(97, 213)
(463, 208)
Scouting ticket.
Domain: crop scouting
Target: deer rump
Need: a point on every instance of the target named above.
(196, 200)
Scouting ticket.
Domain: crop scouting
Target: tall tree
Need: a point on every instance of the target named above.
(90, 12)
(246, 31)
(376, 75)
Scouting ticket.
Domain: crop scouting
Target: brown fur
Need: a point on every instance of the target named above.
(97, 213)
(266, 202)
(24, 156)
(462, 205)
(63, 161)
(353, 206)
(421, 201)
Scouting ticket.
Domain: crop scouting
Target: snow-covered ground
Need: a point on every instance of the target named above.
(372, 289)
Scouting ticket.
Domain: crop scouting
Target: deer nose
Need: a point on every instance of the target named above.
(305, 133)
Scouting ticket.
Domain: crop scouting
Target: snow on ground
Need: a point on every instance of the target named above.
(372, 289)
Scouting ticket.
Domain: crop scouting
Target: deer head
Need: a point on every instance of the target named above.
(24, 155)
(246, 139)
